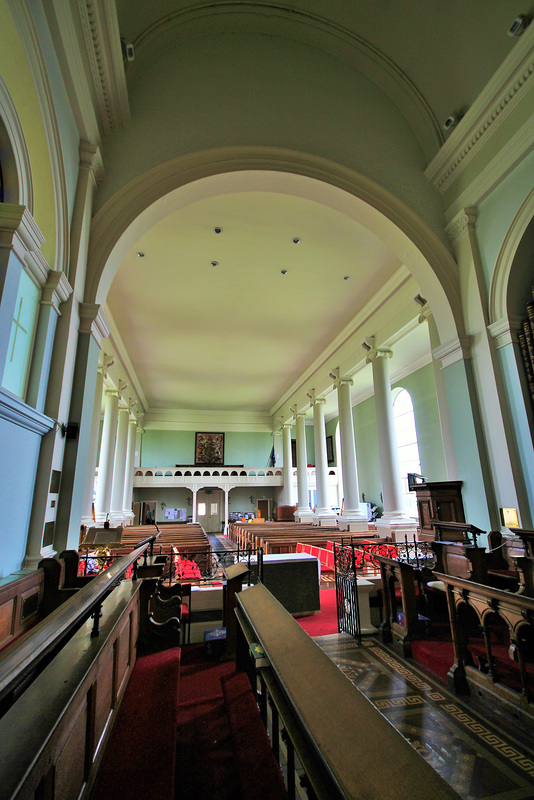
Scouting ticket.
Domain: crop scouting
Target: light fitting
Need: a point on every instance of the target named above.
(453, 120)
(295, 240)
(214, 263)
(346, 277)
(283, 272)
(519, 25)
(217, 230)
(140, 254)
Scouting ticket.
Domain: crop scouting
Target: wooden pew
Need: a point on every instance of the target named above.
(20, 604)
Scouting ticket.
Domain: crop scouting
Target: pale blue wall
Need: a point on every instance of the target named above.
(20, 450)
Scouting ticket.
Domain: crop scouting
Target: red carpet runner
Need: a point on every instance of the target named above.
(325, 621)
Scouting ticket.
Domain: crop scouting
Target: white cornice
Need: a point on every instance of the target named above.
(57, 290)
(15, 410)
(505, 331)
(188, 420)
(20, 233)
(508, 87)
(11, 121)
(103, 48)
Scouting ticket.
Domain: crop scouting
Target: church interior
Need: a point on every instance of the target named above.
(266, 399)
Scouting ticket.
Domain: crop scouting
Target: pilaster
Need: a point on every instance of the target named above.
(352, 518)
(303, 512)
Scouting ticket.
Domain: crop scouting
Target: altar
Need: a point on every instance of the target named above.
(294, 579)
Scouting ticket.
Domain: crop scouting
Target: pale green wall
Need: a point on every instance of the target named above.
(166, 448)
(367, 456)
(239, 498)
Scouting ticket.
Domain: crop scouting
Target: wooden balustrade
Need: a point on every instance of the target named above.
(346, 747)
(475, 611)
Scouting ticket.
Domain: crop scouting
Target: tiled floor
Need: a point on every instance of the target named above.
(474, 755)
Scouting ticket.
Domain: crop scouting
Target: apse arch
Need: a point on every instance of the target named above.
(145, 200)
(16, 166)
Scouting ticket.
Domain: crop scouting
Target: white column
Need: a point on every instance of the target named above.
(128, 474)
(352, 518)
(194, 514)
(323, 514)
(303, 512)
(288, 464)
(87, 511)
(107, 456)
(395, 521)
(226, 510)
(119, 465)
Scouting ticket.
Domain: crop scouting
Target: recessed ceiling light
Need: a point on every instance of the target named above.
(295, 240)
(217, 230)
(140, 254)
(283, 272)
(214, 263)
(346, 278)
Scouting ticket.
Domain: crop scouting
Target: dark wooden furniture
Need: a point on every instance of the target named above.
(234, 583)
(328, 723)
(440, 500)
(20, 603)
(52, 749)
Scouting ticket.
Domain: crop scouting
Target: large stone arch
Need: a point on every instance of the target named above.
(139, 205)
(509, 266)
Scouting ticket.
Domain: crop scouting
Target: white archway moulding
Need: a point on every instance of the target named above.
(135, 209)
(498, 305)
(17, 173)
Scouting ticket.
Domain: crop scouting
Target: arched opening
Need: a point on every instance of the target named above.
(408, 448)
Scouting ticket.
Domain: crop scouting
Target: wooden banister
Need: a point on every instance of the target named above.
(23, 656)
(354, 750)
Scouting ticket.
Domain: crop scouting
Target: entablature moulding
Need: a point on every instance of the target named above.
(504, 94)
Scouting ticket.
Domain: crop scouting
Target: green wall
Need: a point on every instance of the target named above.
(167, 448)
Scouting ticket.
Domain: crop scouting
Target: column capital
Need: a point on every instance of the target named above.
(300, 415)
(57, 290)
(94, 321)
(453, 351)
(378, 352)
(318, 401)
(343, 382)
(111, 392)
(91, 160)
(463, 221)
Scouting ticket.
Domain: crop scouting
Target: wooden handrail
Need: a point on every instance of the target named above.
(20, 658)
(356, 750)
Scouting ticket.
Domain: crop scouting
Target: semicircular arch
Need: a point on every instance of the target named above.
(150, 197)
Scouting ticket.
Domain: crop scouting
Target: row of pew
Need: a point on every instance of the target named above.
(283, 537)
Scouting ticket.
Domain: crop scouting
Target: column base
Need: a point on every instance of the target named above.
(397, 528)
(304, 515)
(32, 562)
(354, 523)
(128, 517)
(325, 519)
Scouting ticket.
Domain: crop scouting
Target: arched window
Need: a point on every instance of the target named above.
(407, 444)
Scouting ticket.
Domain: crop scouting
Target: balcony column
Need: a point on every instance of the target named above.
(352, 519)
(194, 514)
(323, 513)
(303, 512)
(107, 456)
(119, 462)
(395, 521)
(288, 465)
(226, 509)
(87, 511)
(127, 512)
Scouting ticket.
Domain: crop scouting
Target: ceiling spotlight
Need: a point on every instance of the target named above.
(346, 278)
(217, 230)
(283, 272)
(214, 263)
(295, 240)
(140, 254)
(453, 120)
(519, 25)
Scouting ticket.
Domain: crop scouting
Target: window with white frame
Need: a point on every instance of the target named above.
(408, 448)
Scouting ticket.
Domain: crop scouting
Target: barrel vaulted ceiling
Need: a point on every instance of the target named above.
(230, 321)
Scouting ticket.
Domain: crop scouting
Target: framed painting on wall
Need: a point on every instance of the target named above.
(209, 449)
(330, 449)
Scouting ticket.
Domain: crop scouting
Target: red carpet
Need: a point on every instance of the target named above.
(139, 757)
(204, 751)
(325, 621)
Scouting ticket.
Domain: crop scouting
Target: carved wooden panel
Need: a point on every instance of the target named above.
(7, 610)
(104, 696)
(122, 657)
(70, 765)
